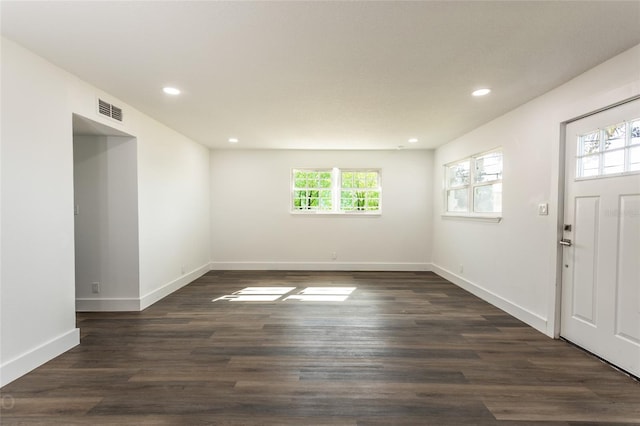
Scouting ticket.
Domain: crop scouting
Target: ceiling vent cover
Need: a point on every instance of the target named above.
(108, 110)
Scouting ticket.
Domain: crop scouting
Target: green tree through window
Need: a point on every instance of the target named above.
(360, 191)
(336, 191)
(312, 190)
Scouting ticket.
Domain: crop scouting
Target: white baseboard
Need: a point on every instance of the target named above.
(524, 315)
(319, 266)
(21, 365)
(139, 304)
(157, 294)
(107, 305)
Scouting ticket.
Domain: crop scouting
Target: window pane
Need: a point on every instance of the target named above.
(634, 159)
(458, 200)
(347, 180)
(307, 194)
(346, 201)
(458, 174)
(350, 201)
(372, 180)
(373, 200)
(359, 200)
(614, 138)
(589, 143)
(488, 167)
(361, 180)
(325, 180)
(613, 162)
(300, 203)
(588, 166)
(635, 132)
(487, 198)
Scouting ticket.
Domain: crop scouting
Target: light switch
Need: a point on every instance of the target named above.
(543, 209)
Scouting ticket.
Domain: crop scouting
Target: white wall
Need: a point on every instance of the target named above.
(106, 221)
(174, 216)
(37, 306)
(38, 300)
(252, 227)
(513, 263)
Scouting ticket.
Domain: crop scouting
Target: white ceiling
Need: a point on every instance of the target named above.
(324, 75)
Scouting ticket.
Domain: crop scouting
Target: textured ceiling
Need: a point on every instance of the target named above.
(324, 75)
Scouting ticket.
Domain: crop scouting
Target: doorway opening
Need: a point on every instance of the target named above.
(105, 180)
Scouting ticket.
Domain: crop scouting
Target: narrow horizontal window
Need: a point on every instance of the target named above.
(612, 150)
(336, 191)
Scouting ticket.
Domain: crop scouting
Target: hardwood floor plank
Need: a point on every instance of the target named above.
(405, 348)
(51, 406)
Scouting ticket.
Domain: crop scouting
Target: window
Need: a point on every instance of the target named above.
(356, 191)
(612, 150)
(312, 190)
(359, 190)
(474, 185)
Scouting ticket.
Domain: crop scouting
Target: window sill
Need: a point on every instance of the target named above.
(476, 218)
(339, 214)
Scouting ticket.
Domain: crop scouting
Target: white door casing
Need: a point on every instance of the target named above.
(601, 267)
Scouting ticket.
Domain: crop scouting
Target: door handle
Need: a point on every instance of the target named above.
(565, 242)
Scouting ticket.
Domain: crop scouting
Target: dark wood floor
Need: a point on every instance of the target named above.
(405, 348)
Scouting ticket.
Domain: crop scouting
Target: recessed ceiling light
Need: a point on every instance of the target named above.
(481, 92)
(233, 140)
(413, 140)
(171, 91)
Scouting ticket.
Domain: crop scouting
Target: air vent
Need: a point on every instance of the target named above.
(108, 110)
(104, 108)
(116, 113)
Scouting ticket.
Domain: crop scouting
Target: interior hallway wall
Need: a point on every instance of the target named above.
(106, 221)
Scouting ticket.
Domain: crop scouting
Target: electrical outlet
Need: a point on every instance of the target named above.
(543, 209)
(95, 288)
(183, 269)
(461, 268)
(334, 255)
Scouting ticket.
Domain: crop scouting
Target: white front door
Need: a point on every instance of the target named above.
(601, 244)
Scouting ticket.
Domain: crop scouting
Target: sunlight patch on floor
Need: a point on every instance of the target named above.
(273, 294)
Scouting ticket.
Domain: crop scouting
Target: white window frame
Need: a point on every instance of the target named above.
(377, 189)
(336, 188)
(602, 151)
(470, 188)
(294, 189)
